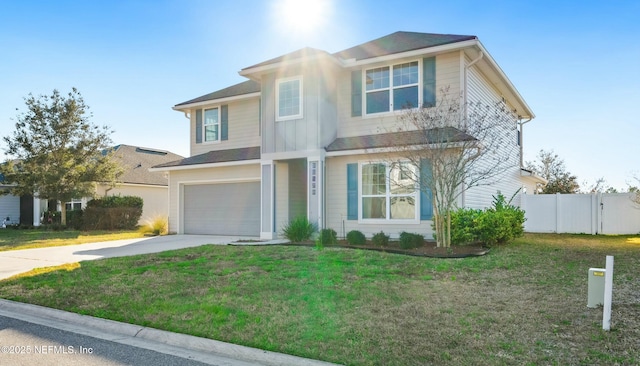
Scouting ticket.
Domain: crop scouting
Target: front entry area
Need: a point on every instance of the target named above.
(222, 209)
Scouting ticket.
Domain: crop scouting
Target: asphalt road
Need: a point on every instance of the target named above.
(24, 343)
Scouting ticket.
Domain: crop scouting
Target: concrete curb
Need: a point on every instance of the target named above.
(114, 330)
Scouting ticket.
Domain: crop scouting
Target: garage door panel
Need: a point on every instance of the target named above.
(222, 209)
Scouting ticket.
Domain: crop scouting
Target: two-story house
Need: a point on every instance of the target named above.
(303, 136)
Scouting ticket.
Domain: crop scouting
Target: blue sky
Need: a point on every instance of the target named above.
(576, 63)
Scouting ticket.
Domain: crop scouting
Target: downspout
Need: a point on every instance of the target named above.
(480, 56)
(522, 123)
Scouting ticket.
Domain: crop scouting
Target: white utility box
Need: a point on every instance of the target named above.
(596, 287)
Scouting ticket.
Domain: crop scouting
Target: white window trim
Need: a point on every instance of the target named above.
(391, 111)
(284, 80)
(388, 220)
(204, 124)
(73, 201)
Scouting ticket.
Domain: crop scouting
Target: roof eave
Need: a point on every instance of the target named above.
(205, 165)
(349, 63)
(187, 107)
(512, 89)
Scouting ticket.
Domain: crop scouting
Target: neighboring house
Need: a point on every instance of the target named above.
(9, 206)
(135, 180)
(302, 137)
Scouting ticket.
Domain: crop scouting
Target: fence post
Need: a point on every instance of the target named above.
(558, 213)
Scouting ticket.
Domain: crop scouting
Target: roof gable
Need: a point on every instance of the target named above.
(302, 53)
(399, 42)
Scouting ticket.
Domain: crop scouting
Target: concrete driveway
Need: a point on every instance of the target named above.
(13, 262)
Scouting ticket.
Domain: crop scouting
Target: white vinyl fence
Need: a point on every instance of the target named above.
(598, 213)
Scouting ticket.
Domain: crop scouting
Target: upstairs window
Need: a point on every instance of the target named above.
(211, 124)
(392, 88)
(289, 98)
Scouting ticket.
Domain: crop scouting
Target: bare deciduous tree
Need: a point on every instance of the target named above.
(463, 146)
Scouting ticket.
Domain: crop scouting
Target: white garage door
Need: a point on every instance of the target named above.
(222, 209)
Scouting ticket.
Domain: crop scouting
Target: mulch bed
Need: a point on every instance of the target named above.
(429, 249)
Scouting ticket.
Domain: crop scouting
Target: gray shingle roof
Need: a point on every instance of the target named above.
(404, 138)
(301, 53)
(393, 43)
(245, 87)
(136, 162)
(399, 42)
(219, 156)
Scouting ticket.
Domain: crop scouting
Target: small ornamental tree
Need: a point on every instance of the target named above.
(458, 146)
(56, 152)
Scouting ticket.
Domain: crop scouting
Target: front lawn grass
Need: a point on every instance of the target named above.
(524, 303)
(14, 239)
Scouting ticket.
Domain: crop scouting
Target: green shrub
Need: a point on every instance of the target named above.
(51, 217)
(463, 226)
(355, 237)
(299, 229)
(380, 239)
(75, 219)
(113, 213)
(328, 237)
(410, 241)
(498, 224)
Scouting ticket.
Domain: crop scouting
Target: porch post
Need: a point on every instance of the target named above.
(267, 199)
(36, 210)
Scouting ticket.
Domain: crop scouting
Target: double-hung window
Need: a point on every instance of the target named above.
(389, 191)
(73, 205)
(212, 124)
(392, 88)
(289, 98)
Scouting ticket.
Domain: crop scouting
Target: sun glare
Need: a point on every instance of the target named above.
(303, 15)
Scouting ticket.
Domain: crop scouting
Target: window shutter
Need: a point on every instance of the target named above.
(429, 82)
(352, 191)
(199, 126)
(426, 196)
(356, 93)
(224, 123)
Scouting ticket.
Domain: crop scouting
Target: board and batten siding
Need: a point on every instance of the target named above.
(479, 89)
(227, 174)
(448, 75)
(336, 202)
(244, 127)
(317, 127)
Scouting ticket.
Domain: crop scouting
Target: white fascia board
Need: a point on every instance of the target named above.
(186, 107)
(387, 150)
(494, 65)
(205, 166)
(142, 185)
(288, 155)
(528, 174)
(419, 52)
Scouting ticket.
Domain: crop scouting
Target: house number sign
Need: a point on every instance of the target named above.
(314, 175)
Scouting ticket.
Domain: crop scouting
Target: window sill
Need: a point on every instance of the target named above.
(389, 222)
